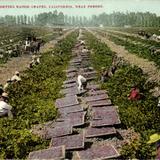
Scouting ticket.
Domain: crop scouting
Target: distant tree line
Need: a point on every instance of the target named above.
(116, 19)
(119, 19)
(42, 19)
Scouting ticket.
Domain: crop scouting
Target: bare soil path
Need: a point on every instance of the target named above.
(125, 33)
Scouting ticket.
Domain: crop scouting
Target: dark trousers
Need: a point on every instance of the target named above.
(84, 85)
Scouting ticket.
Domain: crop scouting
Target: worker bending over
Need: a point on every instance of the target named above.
(7, 84)
(16, 77)
(5, 108)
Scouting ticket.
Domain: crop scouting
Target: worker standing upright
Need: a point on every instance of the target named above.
(82, 83)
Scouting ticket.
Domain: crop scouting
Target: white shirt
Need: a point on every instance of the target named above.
(38, 60)
(4, 105)
(158, 37)
(80, 80)
(15, 78)
(27, 43)
(6, 86)
(154, 35)
(84, 50)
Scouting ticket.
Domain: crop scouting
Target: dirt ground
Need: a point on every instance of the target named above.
(125, 33)
(147, 66)
(14, 64)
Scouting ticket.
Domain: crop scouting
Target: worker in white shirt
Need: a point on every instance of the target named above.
(16, 77)
(35, 61)
(82, 83)
(84, 50)
(7, 84)
(5, 108)
(27, 44)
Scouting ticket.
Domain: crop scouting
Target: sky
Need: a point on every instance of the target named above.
(31, 7)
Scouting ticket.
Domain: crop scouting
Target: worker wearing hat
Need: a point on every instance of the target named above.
(4, 96)
(7, 84)
(85, 50)
(82, 81)
(155, 138)
(5, 108)
(134, 93)
(16, 77)
(104, 74)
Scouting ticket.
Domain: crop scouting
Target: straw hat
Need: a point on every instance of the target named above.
(16, 72)
(4, 94)
(154, 138)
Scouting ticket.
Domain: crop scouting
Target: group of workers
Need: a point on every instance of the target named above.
(33, 45)
(105, 75)
(134, 95)
(5, 108)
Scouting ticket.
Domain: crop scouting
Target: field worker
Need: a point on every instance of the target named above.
(31, 64)
(82, 83)
(134, 94)
(16, 77)
(33, 57)
(112, 70)
(84, 50)
(27, 44)
(7, 84)
(104, 75)
(5, 108)
(155, 139)
(35, 60)
(154, 36)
